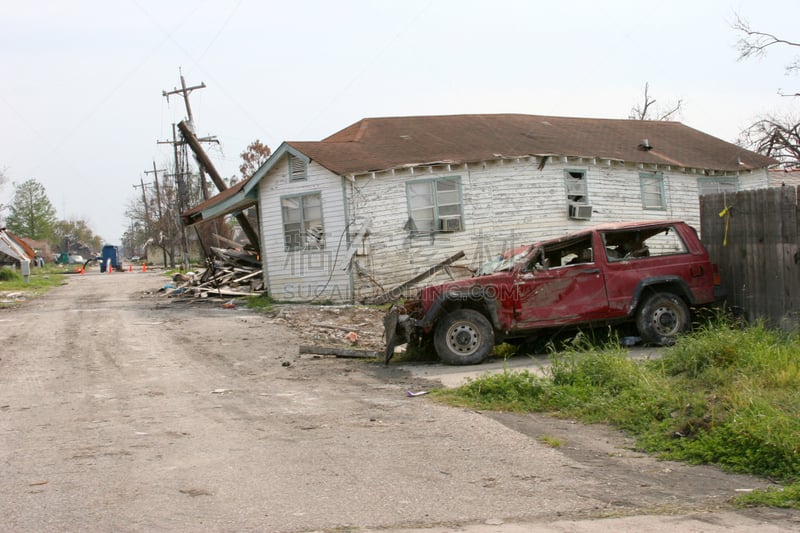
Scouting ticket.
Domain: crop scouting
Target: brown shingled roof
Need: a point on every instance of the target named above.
(374, 144)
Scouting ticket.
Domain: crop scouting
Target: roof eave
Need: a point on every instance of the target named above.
(271, 162)
(233, 204)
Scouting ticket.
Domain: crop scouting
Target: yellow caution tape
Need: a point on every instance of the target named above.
(726, 213)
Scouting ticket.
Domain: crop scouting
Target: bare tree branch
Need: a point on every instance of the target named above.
(646, 111)
(775, 137)
(754, 43)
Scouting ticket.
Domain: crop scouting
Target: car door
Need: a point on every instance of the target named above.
(564, 289)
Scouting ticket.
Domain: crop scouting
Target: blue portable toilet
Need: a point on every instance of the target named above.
(111, 257)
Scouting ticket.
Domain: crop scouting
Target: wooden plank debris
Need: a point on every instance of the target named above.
(229, 273)
(339, 352)
(397, 292)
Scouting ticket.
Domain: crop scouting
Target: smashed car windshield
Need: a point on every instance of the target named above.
(502, 262)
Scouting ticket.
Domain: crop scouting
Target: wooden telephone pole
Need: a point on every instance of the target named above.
(146, 212)
(206, 166)
(184, 91)
(183, 192)
(160, 215)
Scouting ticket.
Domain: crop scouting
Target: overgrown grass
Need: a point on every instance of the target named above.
(39, 282)
(723, 395)
(262, 303)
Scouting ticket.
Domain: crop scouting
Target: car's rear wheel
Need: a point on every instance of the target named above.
(463, 337)
(661, 318)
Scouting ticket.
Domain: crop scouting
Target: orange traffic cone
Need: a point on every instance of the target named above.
(110, 269)
(144, 267)
(130, 268)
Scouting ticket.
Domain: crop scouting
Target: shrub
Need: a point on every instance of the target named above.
(7, 274)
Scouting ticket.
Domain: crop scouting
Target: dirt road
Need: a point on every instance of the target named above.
(121, 411)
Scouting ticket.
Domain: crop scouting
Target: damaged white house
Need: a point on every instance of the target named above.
(373, 205)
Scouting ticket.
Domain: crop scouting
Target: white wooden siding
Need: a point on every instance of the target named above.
(789, 178)
(506, 203)
(304, 275)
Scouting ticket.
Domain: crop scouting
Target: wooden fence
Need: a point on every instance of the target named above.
(753, 237)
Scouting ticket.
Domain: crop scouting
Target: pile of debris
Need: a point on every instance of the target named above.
(229, 273)
(340, 330)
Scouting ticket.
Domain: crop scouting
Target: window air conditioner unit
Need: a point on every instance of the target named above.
(450, 224)
(580, 211)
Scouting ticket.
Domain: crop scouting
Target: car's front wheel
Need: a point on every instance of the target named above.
(661, 318)
(463, 337)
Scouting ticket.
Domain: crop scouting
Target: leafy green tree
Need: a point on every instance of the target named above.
(75, 231)
(31, 214)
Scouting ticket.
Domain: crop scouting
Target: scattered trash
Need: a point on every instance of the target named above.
(413, 394)
(352, 337)
(286, 363)
(627, 342)
(229, 305)
(220, 391)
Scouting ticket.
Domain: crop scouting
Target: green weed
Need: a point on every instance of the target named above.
(553, 442)
(723, 395)
(786, 497)
(261, 303)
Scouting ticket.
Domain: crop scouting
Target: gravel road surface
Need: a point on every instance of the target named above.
(124, 411)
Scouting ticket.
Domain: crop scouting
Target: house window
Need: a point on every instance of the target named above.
(434, 205)
(302, 222)
(577, 194)
(717, 185)
(652, 186)
(297, 168)
(655, 241)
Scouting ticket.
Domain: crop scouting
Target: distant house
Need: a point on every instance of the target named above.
(13, 249)
(783, 176)
(40, 248)
(374, 204)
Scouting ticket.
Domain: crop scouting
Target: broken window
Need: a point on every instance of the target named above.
(573, 251)
(652, 186)
(302, 222)
(717, 185)
(577, 195)
(636, 244)
(434, 205)
(297, 168)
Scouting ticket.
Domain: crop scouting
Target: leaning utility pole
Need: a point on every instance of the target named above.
(184, 91)
(182, 198)
(182, 195)
(204, 161)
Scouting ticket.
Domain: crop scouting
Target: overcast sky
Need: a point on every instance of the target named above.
(81, 102)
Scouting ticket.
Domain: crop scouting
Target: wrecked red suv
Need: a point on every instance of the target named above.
(649, 273)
